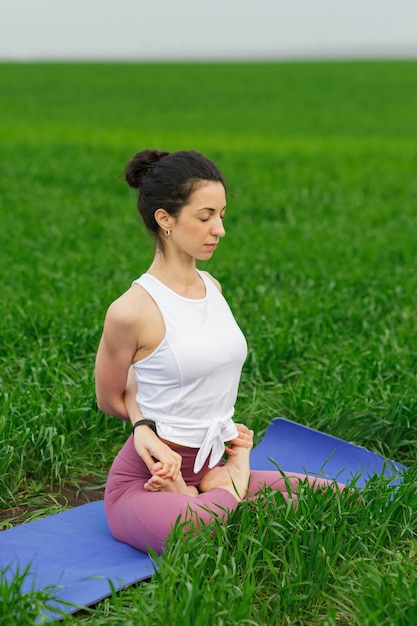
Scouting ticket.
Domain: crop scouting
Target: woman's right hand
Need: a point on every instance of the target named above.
(244, 439)
(158, 456)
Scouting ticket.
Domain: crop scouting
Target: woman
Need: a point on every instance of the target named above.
(170, 360)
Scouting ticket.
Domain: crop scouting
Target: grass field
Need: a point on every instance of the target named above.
(319, 266)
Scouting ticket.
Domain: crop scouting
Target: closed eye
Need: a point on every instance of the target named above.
(212, 213)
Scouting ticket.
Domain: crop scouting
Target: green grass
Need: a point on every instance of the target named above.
(22, 607)
(331, 562)
(318, 265)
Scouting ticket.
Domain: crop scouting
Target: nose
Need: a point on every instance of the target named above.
(218, 228)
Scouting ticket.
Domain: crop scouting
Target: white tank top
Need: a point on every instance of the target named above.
(189, 384)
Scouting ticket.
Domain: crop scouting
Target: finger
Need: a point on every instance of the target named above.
(164, 470)
(169, 470)
(148, 459)
(156, 467)
(240, 441)
(177, 469)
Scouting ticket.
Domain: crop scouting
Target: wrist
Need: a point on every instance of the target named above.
(144, 422)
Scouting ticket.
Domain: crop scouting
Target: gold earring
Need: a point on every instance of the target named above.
(168, 233)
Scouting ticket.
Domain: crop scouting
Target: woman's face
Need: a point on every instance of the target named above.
(199, 226)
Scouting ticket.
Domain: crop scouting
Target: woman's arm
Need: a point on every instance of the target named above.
(147, 444)
(116, 388)
(117, 347)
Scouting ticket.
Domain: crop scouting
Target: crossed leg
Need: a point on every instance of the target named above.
(143, 514)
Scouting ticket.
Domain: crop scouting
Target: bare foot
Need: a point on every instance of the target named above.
(232, 476)
(156, 483)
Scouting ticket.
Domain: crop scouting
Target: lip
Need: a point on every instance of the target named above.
(211, 245)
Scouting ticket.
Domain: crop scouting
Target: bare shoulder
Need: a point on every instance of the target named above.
(132, 307)
(213, 280)
(133, 325)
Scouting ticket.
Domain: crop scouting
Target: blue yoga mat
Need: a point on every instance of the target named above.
(296, 448)
(75, 551)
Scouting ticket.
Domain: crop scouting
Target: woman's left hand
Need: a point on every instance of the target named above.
(243, 440)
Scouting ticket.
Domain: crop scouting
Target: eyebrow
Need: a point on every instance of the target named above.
(207, 208)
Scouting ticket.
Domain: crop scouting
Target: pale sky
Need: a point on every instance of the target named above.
(206, 29)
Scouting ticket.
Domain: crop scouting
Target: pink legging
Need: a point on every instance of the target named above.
(144, 519)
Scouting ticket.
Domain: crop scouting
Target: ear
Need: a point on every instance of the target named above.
(163, 219)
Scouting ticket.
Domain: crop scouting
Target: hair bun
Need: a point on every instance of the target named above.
(140, 165)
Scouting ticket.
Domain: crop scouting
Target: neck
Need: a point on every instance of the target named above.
(178, 274)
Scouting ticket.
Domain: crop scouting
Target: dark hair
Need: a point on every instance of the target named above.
(166, 181)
